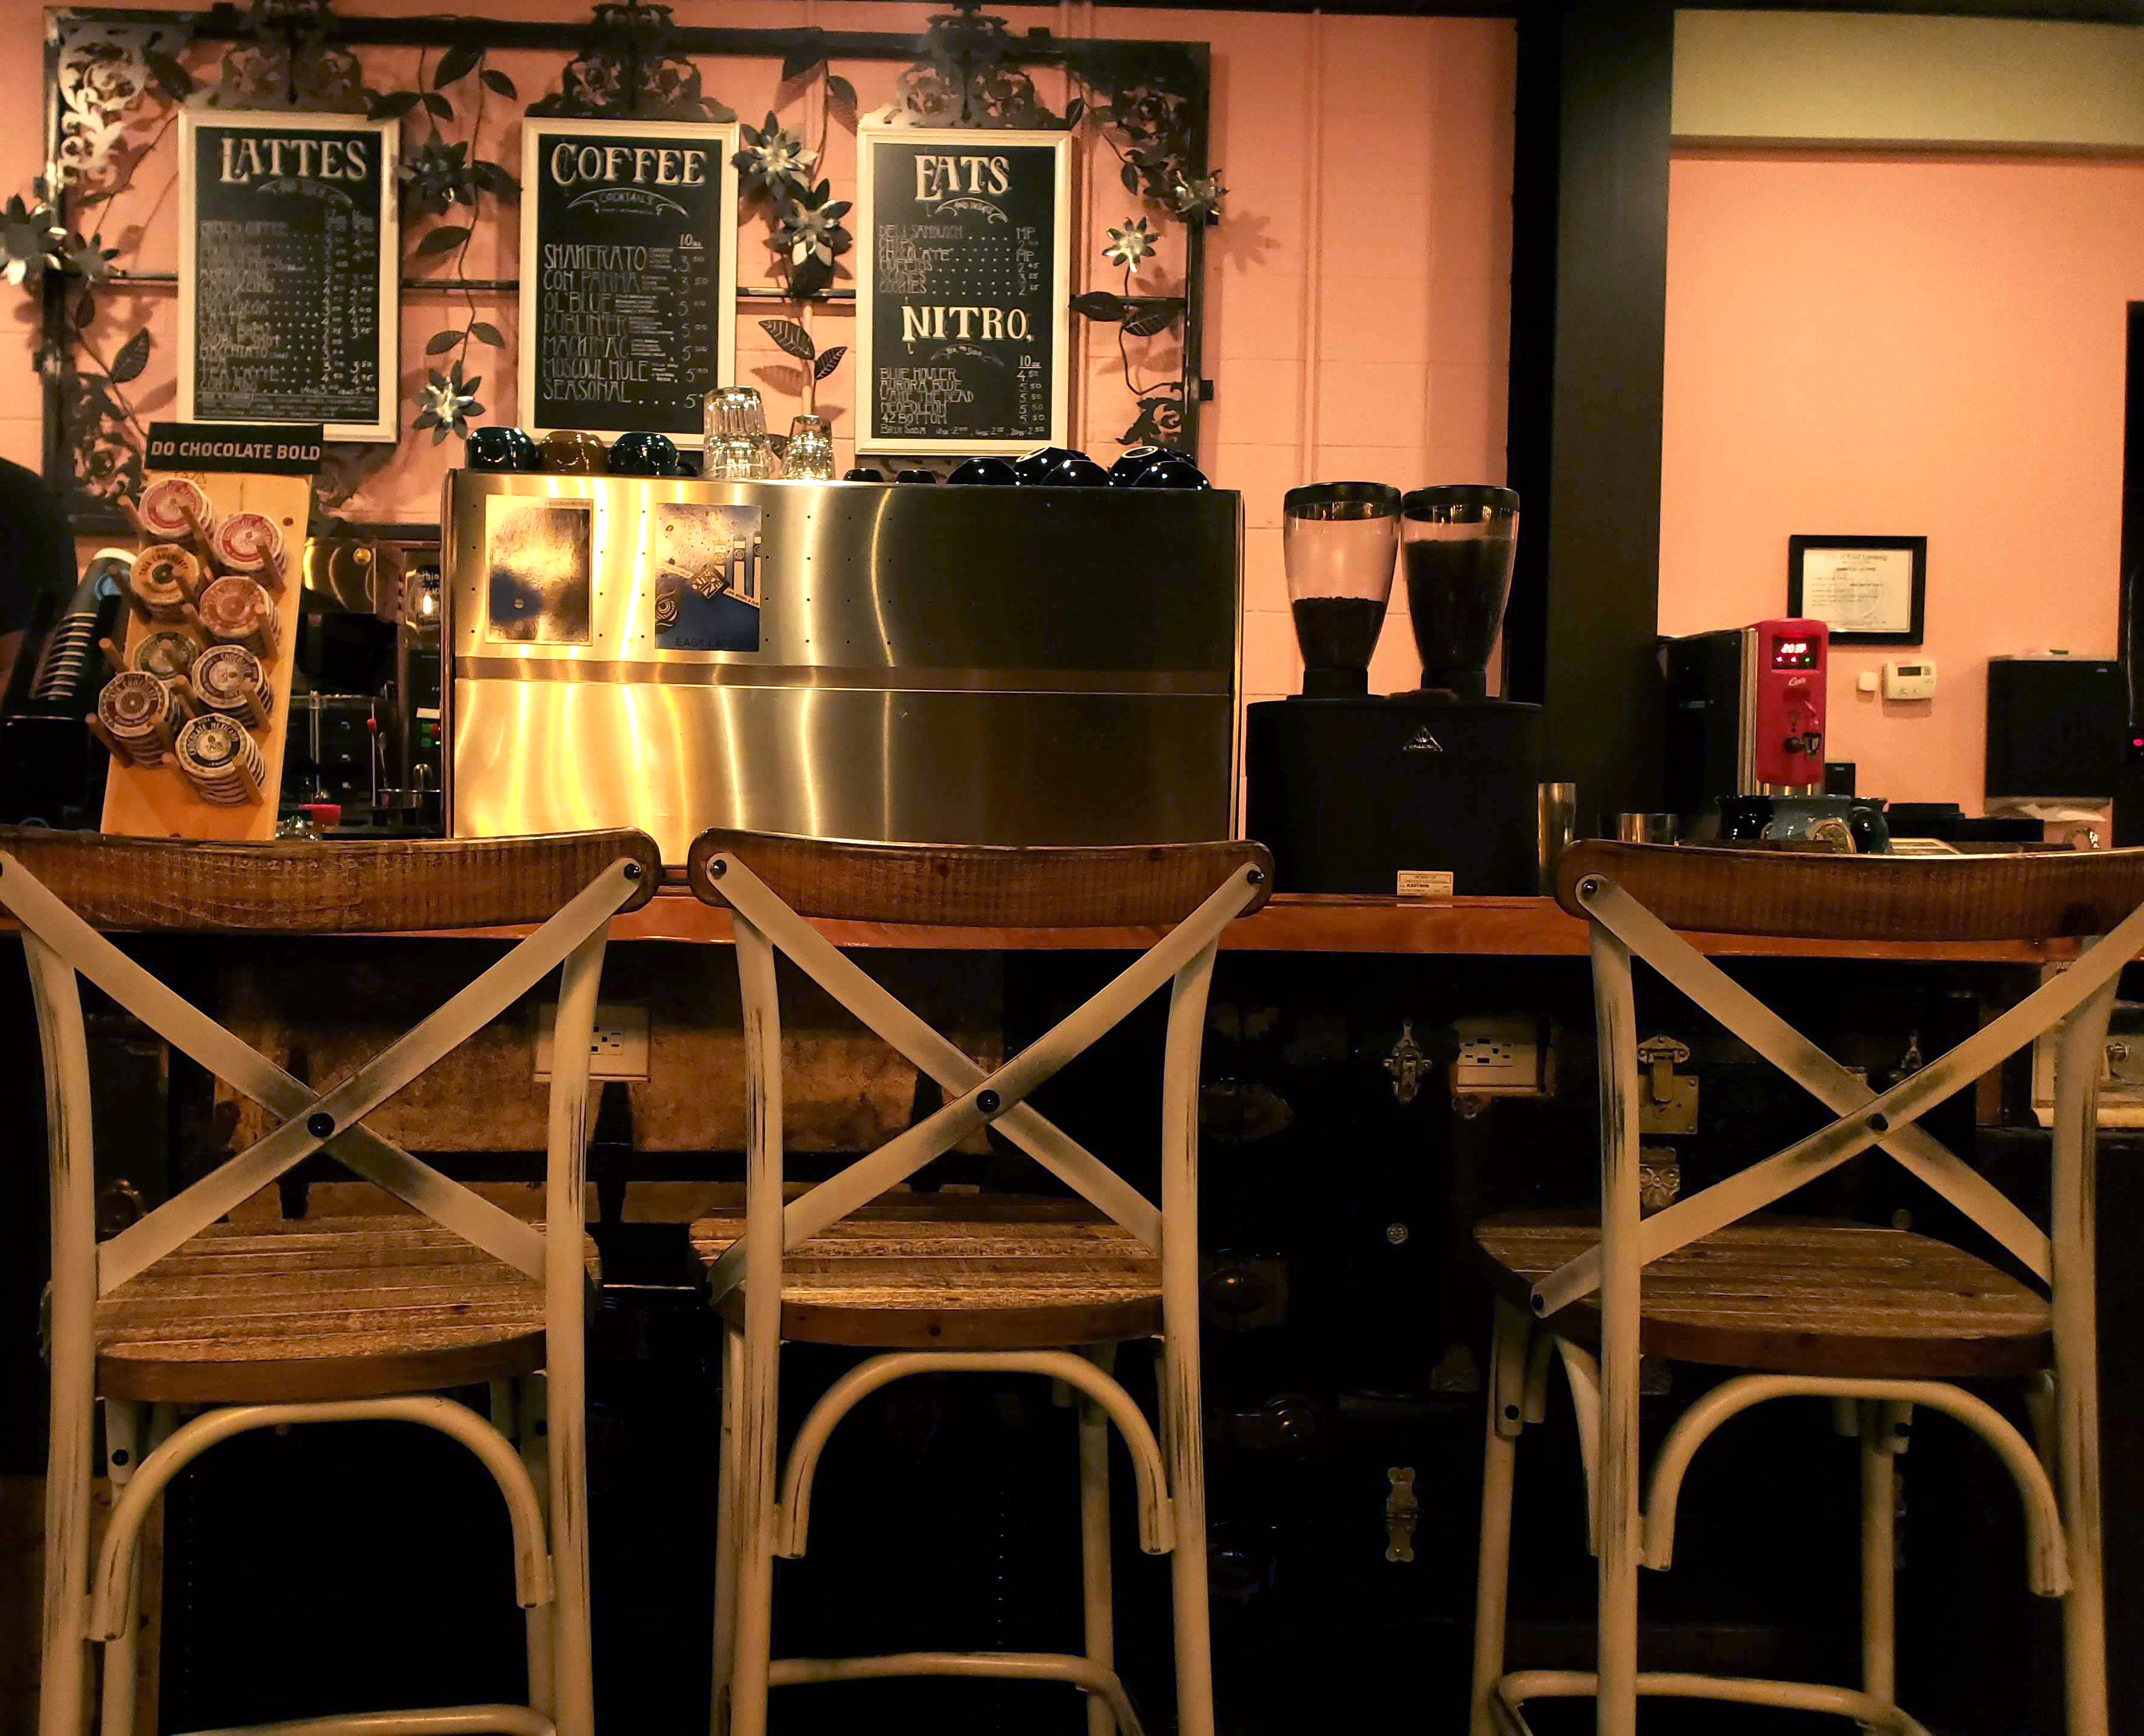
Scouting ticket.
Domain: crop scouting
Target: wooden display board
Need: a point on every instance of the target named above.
(157, 802)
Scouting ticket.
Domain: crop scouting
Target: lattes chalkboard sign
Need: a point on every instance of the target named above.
(628, 274)
(288, 268)
(963, 290)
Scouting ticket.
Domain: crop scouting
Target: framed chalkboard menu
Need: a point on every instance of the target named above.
(628, 274)
(288, 258)
(963, 290)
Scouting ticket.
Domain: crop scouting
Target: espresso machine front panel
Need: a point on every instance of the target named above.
(842, 660)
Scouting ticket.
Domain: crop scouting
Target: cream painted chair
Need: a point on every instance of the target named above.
(999, 1285)
(351, 1319)
(1876, 1321)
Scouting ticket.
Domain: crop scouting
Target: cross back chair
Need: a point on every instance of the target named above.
(997, 1285)
(1878, 1321)
(294, 1324)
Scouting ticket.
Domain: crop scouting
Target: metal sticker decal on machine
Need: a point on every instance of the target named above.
(538, 568)
(707, 566)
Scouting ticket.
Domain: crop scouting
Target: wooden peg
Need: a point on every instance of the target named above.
(113, 655)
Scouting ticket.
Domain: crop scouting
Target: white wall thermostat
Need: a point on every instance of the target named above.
(1916, 680)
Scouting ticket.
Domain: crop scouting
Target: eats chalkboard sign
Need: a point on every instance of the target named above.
(963, 290)
(628, 274)
(288, 262)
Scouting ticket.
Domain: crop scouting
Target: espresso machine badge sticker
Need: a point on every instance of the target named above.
(539, 571)
(707, 564)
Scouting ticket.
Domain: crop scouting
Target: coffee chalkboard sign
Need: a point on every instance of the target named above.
(288, 266)
(628, 274)
(963, 290)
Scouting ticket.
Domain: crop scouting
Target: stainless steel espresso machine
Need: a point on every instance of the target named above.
(1432, 791)
(857, 660)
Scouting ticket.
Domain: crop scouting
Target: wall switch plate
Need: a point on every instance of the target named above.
(618, 1049)
(1910, 680)
(1503, 1055)
(1867, 681)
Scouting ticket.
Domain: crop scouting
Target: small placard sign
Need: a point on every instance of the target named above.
(240, 447)
(963, 290)
(288, 266)
(628, 274)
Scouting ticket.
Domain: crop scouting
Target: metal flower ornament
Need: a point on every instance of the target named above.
(810, 231)
(446, 402)
(31, 239)
(774, 161)
(1129, 245)
(1197, 198)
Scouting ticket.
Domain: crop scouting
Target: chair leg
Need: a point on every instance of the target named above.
(1618, 1536)
(1094, 1540)
(517, 1411)
(571, 1637)
(2084, 1608)
(122, 1452)
(731, 1371)
(1508, 1347)
(753, 1497)
(1882, 1426)
(1183, 1447)
(63, 1679)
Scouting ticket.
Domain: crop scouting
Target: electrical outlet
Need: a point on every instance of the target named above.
(1501, 1055)
(618, 1047)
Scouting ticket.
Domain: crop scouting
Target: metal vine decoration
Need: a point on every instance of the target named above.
(629, 66)
(970, 75)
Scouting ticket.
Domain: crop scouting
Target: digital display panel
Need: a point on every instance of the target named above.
(1794, 653)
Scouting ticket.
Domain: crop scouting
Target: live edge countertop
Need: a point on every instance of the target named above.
(1318, 923)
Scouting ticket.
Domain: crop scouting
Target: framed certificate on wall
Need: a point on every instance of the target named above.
(289, 270)
(1867, 590)
(964, 296)
(628, 274)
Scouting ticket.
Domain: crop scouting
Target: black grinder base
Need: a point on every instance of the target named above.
(1350, 794)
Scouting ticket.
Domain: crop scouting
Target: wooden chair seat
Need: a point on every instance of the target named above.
(1797, 1296)
(345, 1307)
(962, 1271)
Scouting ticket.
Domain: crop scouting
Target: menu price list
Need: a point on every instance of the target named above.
(623, 290)
(287, 315)
(624, 326)
(962, 258)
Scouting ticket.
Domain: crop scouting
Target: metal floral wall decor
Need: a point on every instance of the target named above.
(120, 80)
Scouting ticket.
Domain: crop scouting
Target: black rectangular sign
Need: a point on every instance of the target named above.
(963, 290)
(628, 274)
(288, 272)
(244, 448)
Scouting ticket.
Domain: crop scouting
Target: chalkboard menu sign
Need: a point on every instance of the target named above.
(288, 266)
(963, 290)
(628, 274)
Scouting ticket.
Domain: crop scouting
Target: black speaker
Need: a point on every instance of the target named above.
(1349, 794)
(2055, 728)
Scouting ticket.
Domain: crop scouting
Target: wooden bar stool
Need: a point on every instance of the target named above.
(1875, 1320)
(992, 1285)
(300, 1323)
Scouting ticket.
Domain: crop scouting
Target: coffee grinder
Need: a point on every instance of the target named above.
(1430, 792)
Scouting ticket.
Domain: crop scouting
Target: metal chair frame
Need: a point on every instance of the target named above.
(752, 1526)
(549, 1534)
(2057, 1481)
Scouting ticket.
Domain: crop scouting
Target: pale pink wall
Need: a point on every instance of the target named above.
(1358, 295)
(1915, 344)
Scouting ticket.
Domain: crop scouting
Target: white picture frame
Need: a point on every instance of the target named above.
(871, 136)
(537, 135)
(384, 425)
